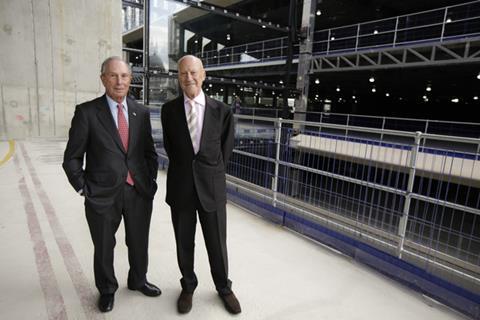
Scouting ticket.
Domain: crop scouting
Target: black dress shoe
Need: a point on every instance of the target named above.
(149, 289)
(184, 302)
(231, 303)
(105, 303)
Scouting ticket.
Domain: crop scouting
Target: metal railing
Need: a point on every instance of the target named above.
(419, 203)
(438, 25)
(448, 128)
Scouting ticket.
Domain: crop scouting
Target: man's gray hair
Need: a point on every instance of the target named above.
(189, 56)
(113, 58)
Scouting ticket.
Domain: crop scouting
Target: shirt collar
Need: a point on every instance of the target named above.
(200, 99)
(113, 104)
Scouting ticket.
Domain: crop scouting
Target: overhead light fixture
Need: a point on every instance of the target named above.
(478, 76)
(372, 79)
(353, 97)
(210, 85)
(264, 26)
(428, 88)
(196, 41)
(332, 38)
(387, 94)
(374, 90)
(448, 20)
(228, 36)
(455, 100)
(317, 81)
(338, 89)
(375, 31)
(273, 92)
(475, 98)
(281, 81)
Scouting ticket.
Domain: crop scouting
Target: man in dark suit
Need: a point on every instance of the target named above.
(198, 137)
(119, 179)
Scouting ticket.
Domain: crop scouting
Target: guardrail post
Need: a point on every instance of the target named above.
(402, 225)
(383, 128)
(395, 34)
(278, 134)
(356, 39)
(443, 24)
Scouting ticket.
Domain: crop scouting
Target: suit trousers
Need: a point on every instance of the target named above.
(136, 212)
(214, 233)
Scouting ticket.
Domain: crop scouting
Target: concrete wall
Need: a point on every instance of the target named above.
(50, 57)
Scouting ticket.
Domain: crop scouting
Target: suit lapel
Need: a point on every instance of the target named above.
(181, 121)
(133, 122)
(209, 120)
(105, 117)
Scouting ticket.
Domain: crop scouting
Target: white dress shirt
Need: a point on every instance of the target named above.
(114, 110)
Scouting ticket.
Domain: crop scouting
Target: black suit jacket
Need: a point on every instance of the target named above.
(205, 171)
(93, 133)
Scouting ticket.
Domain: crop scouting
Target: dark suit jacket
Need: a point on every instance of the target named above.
(205, 171)
(93, 132)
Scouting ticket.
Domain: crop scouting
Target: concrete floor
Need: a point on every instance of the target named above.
(46, 265)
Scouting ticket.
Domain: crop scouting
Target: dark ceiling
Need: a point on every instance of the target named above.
(335, 13)
(406, 87)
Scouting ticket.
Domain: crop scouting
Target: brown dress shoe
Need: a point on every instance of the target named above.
(184, 302)
(231, 303)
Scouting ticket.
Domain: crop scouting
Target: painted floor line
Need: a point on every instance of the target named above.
(79, 280)
(11, 151)
(48, 282)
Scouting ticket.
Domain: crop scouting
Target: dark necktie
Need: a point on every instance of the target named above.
(123, 132)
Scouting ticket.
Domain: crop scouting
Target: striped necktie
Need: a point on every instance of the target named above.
(192, 124)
